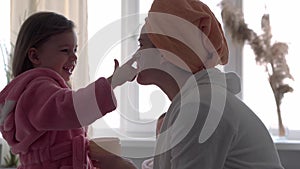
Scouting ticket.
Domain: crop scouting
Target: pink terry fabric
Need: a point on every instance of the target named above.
(39, 118)
(171, 25)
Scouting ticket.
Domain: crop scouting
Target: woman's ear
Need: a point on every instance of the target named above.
(33, 56)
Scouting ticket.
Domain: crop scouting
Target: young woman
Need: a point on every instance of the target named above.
(206, 125)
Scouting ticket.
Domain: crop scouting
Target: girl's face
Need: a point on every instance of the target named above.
(57, 53)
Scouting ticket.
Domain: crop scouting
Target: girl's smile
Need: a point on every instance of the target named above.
(57, 53)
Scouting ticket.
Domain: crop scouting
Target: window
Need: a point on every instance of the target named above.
(138, 115)
(100, 18)
(104, 21)
(111, 17)
(4, 38)
(257, 92)
(138, 106)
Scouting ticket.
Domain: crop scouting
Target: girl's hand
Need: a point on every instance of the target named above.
(113, 162)
(123, 74)
(104, 159)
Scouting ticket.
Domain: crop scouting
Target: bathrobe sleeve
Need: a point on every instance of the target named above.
(46, 105)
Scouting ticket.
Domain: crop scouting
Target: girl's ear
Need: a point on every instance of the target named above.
(33, 56)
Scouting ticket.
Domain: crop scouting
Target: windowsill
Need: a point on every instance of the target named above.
(138, 148)
(132, 146)
(287, 144)
(147, 144)
(145, 147)
(280, 144)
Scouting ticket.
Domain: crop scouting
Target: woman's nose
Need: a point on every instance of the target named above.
(137, 55)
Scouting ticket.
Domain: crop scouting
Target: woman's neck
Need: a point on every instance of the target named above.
(171, 86)
(170, 90)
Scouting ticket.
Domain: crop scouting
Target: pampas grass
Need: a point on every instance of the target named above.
(271, 56)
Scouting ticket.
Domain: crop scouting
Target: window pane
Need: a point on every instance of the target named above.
(257, 91)
(102, 16)
(152, 101)
(4, 38)
(159, 101)
(145, 6)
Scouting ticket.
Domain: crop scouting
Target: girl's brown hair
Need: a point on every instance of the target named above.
(36, 30)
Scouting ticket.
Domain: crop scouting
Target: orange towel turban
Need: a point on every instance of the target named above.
(187, 33)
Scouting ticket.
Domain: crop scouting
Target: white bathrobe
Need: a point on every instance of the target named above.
(208, 127)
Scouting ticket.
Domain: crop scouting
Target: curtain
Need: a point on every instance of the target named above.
(76, 10)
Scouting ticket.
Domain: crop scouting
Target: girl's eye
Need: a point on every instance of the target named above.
(69, 51)
(65, 50)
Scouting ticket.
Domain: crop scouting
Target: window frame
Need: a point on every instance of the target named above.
(127, 128)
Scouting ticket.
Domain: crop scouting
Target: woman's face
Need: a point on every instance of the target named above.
(57, 53)
(149, 61)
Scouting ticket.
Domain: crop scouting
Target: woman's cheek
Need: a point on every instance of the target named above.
(149, 59)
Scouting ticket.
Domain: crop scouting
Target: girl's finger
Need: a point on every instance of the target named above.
(116, 63)
(131, 61)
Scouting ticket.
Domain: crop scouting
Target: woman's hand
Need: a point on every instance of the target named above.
(123, 74)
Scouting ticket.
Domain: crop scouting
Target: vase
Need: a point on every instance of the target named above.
(278, 133)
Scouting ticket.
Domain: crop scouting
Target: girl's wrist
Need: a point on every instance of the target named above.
(109, 79)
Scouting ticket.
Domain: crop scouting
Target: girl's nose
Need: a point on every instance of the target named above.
(73, 58)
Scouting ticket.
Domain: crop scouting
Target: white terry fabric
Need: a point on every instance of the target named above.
(239, 140)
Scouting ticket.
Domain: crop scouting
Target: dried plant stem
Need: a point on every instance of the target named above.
(280, 123)
(271, 56)
(281, 129)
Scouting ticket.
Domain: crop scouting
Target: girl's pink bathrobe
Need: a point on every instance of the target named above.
(44, 121)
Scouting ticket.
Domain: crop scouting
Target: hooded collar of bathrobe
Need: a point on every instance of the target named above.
(208, 87)
(11, 93)
(213, 77)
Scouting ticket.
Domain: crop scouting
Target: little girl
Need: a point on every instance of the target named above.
(41, 118)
